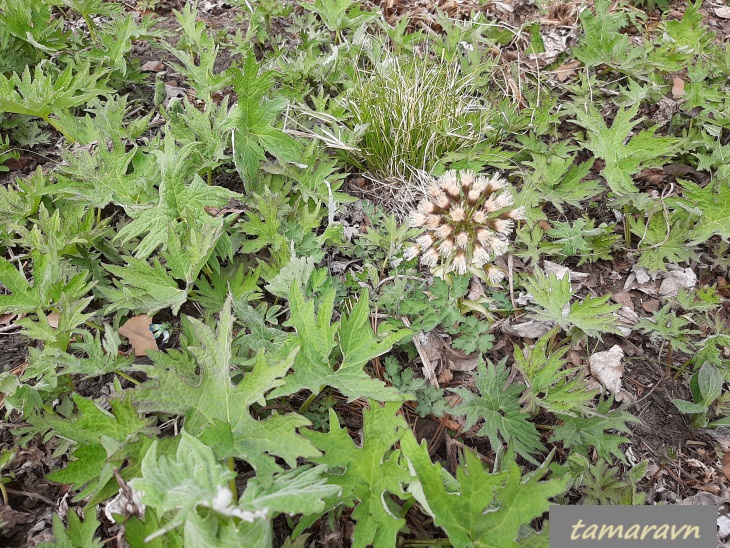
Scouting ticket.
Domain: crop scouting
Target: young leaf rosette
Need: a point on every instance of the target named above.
(467, 220)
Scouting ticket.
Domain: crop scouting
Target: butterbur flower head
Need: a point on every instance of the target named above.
(485, 237)
(458, 214)
(447, 179)
(426, 240)
(467, 220)
(411, 252)
(446, 247)
(495, 183)
(434, 191)
(517, 214)
(494, 274)
(502, 226)
(473, 196)
(430, 257)
(417, 220)
(444, 231)
(467, 180)
(426, 207)
(434, 221)
(442, 201)
(500, 245)
(503, 200)
(450, 185)
(480, 185)
(459, 262)
(480, 255)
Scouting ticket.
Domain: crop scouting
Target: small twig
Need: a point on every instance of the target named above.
(658, 382)
(510, 278)
(434, 439)
(428, 370)
(665, 212)
(464, 447)
(649, 393)
(31, 495)
(399, 276)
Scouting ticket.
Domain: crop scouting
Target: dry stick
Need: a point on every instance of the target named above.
(510, 278)
(434, 439)
(451, 441)
(665, 212)
(399, 276)
(657, 383)
(428, 370)
(31, 495)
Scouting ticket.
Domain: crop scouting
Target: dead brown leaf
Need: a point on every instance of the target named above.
(608, 368)
(624, 298)
(5, 319)
(726, 464)
(439, 351)
(627, 319)
(567, 70)
(675, 280)
(677, 88)
(531, 329)
(220, 211)
(574, 358)
(137, 330)
(445, 377)
(476, 290)
(14, 165)
(153, 66)
(651, 305)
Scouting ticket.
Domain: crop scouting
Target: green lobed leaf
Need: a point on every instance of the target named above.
(109, 175)
(313, 368)
(477, 508)
(192, 488)
(104, 442)
(23, 297)
(498, 403)
(219, 411)
(143, 287)
(265, 223)
(601, 41)
(593, 316)
(43, 93)
(549, 383)
(79, 534)
(561, 181)
(252, 121)
(713, 203)
(663, 240)
(191, 245)
(299, 491)
(181, 483)
(178, 203)
(578, 433)
(368, 473)
(625, 151)
(52, 280)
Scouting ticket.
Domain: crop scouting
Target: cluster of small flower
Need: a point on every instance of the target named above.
(467, 221)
